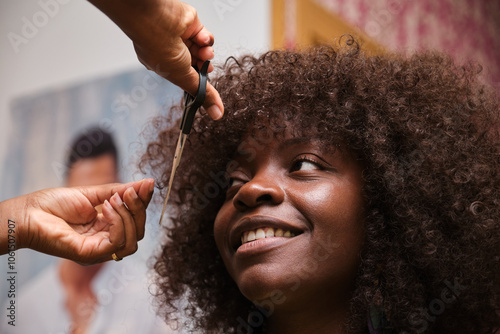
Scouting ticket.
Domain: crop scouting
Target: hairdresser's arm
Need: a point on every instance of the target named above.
(168, 38)
(63, 221)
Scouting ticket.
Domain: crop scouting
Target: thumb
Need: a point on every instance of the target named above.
(213, 103)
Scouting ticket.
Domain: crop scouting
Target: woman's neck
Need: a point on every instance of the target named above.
(310, 320)
(299, 312)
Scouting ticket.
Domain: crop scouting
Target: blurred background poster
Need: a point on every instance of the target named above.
(44, 125)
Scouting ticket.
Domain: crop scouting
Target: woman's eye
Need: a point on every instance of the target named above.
(304, 165)
(234, 182)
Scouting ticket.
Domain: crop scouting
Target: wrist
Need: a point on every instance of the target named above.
(132, 15)
(14, 220)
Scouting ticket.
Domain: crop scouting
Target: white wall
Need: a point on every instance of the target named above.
(72, 41)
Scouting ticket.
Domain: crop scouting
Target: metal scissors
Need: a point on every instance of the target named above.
(192, 104)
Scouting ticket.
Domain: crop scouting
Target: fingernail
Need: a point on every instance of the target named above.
(214, 112)
(133, 194)
(116, 198)
(106, 204)
(151, 185)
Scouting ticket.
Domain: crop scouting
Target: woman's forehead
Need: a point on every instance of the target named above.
(261, 126)
(281, 125)
(288, 133)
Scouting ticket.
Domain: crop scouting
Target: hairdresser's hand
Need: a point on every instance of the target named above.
(168, 38)
(64, 222)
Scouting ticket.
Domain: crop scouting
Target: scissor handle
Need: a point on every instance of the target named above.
(192, 104)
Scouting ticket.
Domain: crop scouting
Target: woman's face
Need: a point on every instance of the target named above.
(291, 228)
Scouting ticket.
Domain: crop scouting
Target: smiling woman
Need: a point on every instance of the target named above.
(341, 193)
(313, 194)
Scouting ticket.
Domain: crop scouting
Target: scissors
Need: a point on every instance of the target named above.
(192, 104)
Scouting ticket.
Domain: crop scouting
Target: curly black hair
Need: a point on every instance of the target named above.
(427, 133)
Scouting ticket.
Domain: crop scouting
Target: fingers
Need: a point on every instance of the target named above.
(129, 225)
(199, 41)
(122, 232)
(213, 103)
(137, 209)
(173, 62)
(200, 55)
(126, 226)
(145, 191)
(200, 52)
(203, 38)
(195, 31)
(97, 194)
(199, 64)
(132, 217)
(117, 231)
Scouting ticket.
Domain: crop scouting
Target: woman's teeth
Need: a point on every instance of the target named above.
(262, 233)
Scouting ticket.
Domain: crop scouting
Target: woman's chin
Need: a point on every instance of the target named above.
(265, 291)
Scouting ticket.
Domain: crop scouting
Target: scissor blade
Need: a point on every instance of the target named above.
(175, 164)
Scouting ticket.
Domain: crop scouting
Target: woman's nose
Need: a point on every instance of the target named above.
(260, 190)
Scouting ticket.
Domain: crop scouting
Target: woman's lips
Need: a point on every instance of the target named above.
(262, 245)
(261, 230)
